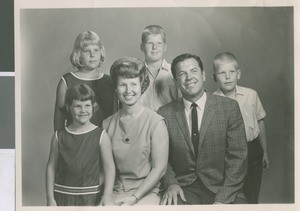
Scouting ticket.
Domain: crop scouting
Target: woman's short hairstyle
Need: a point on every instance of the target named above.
(225, 58)
(183, 57)
(81, 92)
(130, 68)
(84, 39)
(155, 30)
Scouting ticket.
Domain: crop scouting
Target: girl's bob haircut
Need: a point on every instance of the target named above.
(81, 92)
(84, 39)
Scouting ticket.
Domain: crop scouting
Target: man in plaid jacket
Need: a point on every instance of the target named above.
(214, 172)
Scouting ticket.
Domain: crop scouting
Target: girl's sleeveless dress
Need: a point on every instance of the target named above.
(77, 178)
(104, 92)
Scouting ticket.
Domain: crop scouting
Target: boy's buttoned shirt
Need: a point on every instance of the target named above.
(251, 109)
(162, 88)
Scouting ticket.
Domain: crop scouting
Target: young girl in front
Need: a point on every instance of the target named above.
(87, 56)
(73, 175)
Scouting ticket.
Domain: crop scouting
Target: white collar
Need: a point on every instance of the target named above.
(200, 103)
(238, 91)
(164, 65)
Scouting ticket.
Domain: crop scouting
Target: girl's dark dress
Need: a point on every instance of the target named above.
(77, 178)
(104, 92)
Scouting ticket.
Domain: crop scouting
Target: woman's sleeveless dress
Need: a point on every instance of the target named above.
(131, 144)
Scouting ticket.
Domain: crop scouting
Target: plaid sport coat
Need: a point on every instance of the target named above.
(221, 163)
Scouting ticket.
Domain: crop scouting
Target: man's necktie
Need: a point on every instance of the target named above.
(195, 132)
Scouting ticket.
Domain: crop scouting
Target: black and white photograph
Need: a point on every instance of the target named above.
(155, 104)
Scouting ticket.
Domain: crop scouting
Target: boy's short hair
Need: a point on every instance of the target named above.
(82, 40)
(183, 57)
(130, 68)
(81, 92)
(153, 30)
(224, 57)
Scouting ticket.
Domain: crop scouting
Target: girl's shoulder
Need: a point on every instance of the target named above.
(70, 78)
(105, 77)
(59, 133)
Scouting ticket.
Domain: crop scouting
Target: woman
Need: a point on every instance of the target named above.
(139, 137)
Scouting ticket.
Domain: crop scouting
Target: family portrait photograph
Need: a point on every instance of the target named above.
(171, 104)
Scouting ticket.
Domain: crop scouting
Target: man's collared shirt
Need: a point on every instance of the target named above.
(162, 88)
(251, 109)
(200, 110)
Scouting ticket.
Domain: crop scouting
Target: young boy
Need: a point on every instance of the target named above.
(162, 88)
(226, 74)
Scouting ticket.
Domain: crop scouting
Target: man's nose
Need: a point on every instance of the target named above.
(188, 76)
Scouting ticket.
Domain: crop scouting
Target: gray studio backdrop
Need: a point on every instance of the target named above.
(261, 38)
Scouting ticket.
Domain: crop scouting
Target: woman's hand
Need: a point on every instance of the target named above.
(131, 200)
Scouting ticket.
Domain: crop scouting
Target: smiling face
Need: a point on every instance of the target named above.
(227, 75)
(81, 111)
(90, 57)
(154, 48)
(189, 79)
(129, 90)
